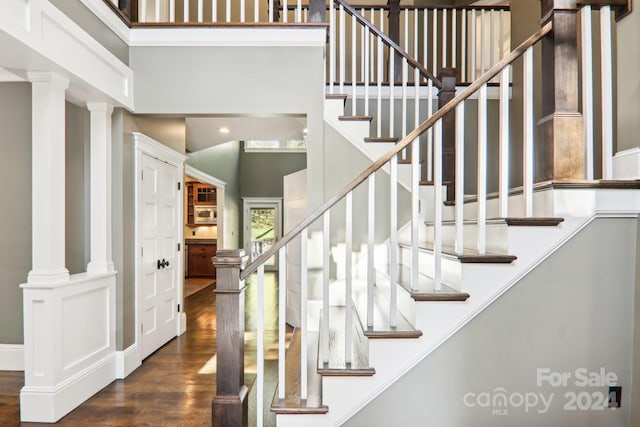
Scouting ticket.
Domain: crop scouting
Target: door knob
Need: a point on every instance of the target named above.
(160, 265)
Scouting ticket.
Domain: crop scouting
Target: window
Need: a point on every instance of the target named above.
(274, 146)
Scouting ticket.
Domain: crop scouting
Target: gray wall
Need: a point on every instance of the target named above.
(628, 83)
(77, 222)
(15, 215)
(223, 162)
(90, 23)
(261, 174)
(635, 397)
(573, 311)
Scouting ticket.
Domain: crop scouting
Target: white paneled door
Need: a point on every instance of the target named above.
(158, 296)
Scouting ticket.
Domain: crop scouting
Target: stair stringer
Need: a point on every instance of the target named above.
(393, 358)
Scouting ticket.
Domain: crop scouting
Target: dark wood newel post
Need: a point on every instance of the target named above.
(394, 34)
(230, 405)
(447, 92)
(559, 147)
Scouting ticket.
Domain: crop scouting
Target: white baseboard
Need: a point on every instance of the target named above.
(11, 357)
(626, 164)
(49, 404)
(127, 361)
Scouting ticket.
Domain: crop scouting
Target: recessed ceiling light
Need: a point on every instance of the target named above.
(224, 130)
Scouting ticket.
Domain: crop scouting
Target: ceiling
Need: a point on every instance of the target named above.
(204, 132)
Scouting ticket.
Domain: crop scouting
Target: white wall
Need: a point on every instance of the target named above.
(573, 311)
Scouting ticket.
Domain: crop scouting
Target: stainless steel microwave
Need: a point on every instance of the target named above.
(205, 214)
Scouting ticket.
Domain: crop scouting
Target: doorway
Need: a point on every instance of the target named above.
(262, 227)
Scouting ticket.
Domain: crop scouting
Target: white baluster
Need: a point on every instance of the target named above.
(501, 35)
(404, 96)
(243, 11)
(482, 168)
(304, 279)
(472, 44)
(201, 11)
(354, 61)
(380, 77)
(186, 11)
(459, 179)
(437, 206)
(415, 210)
(348, 302)
(157, 11)
(256, 10)
(463, 47)
(367, 70)
(214, 10)
(143, 11)
(332, 46)
(299, 11)
(430, 131)
(260, 348)
(587, 87)
(445, 46)
(285, 11)
(503, 192)
(326, 268)
(527, 111)
(435, 40)
(342, 48)
(363, 54)
(482, 42)
(172, 10)
(416, 76)
(392, 85)
(425, 41)
(492, 45)
(282, 314)
(270, 10)
(393, 242)
(228, 12)
(371, 230)
(454, 38)
(607, 92)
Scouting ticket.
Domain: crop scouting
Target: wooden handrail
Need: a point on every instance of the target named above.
(403, 144)
(386, 40)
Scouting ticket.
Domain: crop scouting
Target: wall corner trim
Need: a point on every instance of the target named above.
(11, 357)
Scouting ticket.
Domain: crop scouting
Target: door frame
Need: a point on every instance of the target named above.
(143, 145)
(260, 202)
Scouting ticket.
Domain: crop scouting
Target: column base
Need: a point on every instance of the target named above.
(559, 149)
(45, 277)
(230, 410)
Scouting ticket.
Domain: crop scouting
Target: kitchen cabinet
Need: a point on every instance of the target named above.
(199, 259)
(199, 194)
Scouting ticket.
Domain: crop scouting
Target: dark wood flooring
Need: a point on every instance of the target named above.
(173, 387)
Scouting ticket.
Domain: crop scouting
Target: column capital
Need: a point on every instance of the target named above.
(48, 77)
(100, 107)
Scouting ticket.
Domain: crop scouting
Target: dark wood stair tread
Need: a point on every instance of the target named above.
(381, 327)
(425, 182)
(426, 289)
(336, 96)
(292, 404)
(468, 256)
(355, 118)
(337, 365)
(510, 221)
(383, 139)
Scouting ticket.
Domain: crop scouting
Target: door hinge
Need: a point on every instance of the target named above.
(141, 327)
(142, 175)
(142, 251)
(178, 186)
(178, 308)
(178, 247)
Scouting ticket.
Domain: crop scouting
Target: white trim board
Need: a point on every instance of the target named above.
(11, 357)
(202, 176)
(626, 164)
(127, 361)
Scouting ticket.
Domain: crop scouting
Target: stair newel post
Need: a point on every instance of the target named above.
(394, 34)
(230, 405)
(559, 150)
(447, 92)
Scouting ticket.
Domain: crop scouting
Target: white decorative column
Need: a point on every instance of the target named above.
(101, 245)
(48, 175)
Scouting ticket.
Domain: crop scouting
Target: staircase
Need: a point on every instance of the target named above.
(462, 249)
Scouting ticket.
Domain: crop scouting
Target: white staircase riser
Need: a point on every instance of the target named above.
(452, 269)
(406, 304)
(497, 237)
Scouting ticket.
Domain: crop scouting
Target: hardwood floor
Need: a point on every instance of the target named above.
(173, 387)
